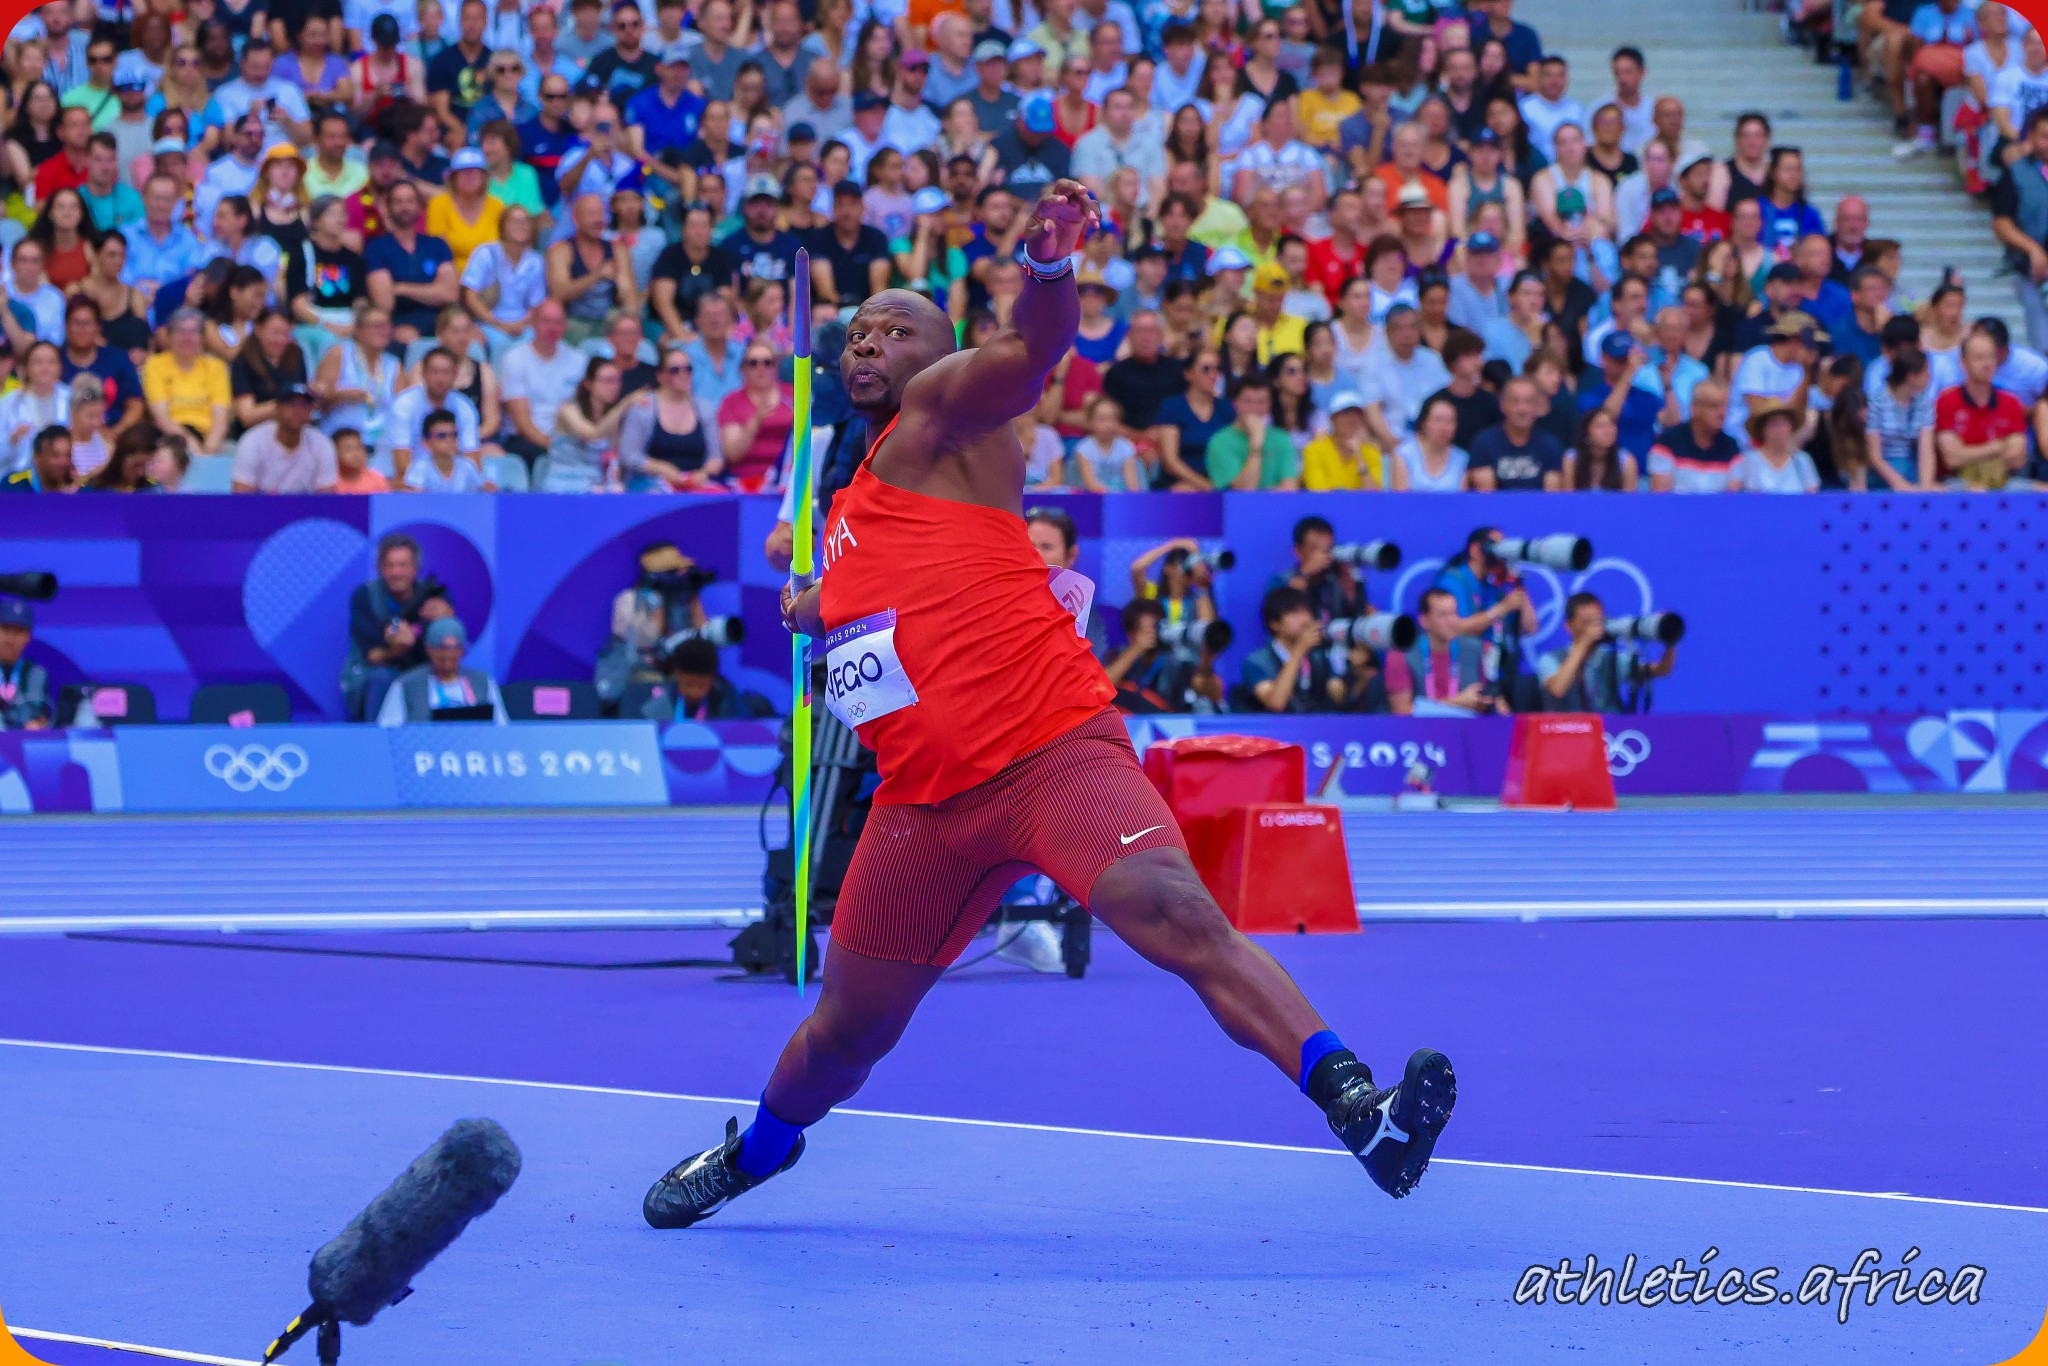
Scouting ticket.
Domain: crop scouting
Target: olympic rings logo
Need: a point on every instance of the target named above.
(253, 766)
(1627, 751)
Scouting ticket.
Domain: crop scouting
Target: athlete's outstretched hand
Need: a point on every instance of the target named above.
(800, 610)
(1066, 213)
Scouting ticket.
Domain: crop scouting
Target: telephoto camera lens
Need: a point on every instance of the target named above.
(1212, 637)
(1381, 631)
(1666, 628)
(1552, 552)
(1368, 555)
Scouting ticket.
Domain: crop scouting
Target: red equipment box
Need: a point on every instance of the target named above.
(1559, 759)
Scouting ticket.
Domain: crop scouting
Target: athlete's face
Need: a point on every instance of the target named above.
(891, 340)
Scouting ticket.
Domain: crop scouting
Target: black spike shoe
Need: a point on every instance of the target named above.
(1393, 1131)
(703, 1185)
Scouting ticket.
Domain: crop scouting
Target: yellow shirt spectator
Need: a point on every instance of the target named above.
(446, 222)
(191, 394)
(1326, 469)
(1321, 114)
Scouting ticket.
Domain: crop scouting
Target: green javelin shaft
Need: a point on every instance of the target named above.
(800, 644)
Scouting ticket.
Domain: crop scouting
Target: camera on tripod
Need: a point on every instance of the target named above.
(1381, 555)
(1380, 631)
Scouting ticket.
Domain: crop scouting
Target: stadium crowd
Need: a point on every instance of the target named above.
(309, 245)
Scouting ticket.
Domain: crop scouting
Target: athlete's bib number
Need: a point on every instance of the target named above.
(863, 677)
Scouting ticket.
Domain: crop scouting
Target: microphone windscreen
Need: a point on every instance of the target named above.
(372, 1261)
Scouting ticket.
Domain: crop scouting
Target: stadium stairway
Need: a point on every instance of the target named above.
(1723, 59)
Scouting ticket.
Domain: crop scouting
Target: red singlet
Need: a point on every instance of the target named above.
(997, 665)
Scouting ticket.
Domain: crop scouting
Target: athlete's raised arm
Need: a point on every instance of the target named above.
(1006, 376)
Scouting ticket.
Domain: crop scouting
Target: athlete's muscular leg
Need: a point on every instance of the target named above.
(861, 1013)
(1157, 905)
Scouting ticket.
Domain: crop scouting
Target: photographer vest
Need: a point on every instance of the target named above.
(416, 686)
(1468, 665)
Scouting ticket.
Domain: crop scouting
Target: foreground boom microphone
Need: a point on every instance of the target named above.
(36, 587)
(371, 1263)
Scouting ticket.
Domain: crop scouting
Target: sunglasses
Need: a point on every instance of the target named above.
(442, 434)
(554, 94)
(103, 59)
(514, 70)
(760, 363)
(186, 61)
(675, 369)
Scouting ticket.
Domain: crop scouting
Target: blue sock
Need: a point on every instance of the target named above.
(1314, 1049)
(765, 1145)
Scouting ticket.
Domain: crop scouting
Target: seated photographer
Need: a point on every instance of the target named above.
(385, 618)
(661, 602)
(1152, 677)
(443, 682)
(1333, 589)
(1058, 543)
(24, 684)
(1291, 672)
(1445, 673)
(1596, 673)
(1184, 588)
(697, 690)
(1484, 591)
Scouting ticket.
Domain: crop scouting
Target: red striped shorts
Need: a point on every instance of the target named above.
(924, 879)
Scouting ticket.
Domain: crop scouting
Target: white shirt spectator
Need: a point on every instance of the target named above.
(863, 152)
(263, 463)
(424, 476)
(545, 384)
(1118, 13)
(1171, 90)
(1100, 83)
(1637, 125)
(1760, 375)
(600, 179)
(520, 287)
(909, 129)
(1977, 59)
(2018, 91)
(22, 411)
(1098, 153)
(1400, 387)
(2024, 375)
(46, 301)
(1754, 474)
(409, 414)
(1545, 117)
(276, 99)
(1279, 168)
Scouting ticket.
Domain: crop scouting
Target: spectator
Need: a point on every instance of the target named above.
(715, 358)
(49, 468)
(88, 426)
(1774, 463)
(538, 377)
(1291, 672)
(2019, 207)
(1635, 408)
(187, 388)
(1445, 672)
(505, 283)
(586, 429)
(351, 465)
(1517, 454)
(358, 381)
(325, 280)
(24, 684)
(1401, 372)
(1980, 431)
(1104, 460)
(386, 618)
(1252, 453)
(1899, 423)
(1597, 460)
(588, 274)
(1775, 373)
(1477, 407)
(40, 402)
(413, 274)
(755, 420)
(85, 353)
(446, 682)
(1597, 673)
(1931, 62)
(267, 366)
(405, 429)
(1549, 107)
(1696, 456)
(1429, 460)
(447, 468)
(286, 454)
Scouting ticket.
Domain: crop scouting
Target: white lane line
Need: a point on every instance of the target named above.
(263, 921)
(168, 1353)
(1763, 907)
(581, 1089)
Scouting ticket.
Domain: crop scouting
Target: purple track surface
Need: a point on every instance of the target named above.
(1874, 1056)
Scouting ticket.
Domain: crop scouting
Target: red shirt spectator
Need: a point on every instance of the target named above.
(60, 172)
(1706, 226)
(1331, 267)
(1990, 416)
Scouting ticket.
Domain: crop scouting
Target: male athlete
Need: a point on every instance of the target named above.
(998, 748)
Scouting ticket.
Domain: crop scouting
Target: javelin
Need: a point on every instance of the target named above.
(800, 644)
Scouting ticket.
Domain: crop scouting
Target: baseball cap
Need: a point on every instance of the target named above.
(1024, 48)
(989, 50)
(1692, 161)
(1035, 112)
(1783, 273)
(384, 151)
(1482, 241)
(1412, 196)
(1346, 400)
(763, 187)
(131, 71)
(1660, 198)
(1228, 258)
(674, 53)
(1617, 345)
(297, 392)
(930, 199)
(446, 631)
(15, 612)
(1486, 137)
(1270, 278)
(868, 99)
(166, 147)
(468, 159)
(915, 58)
(802, 132)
